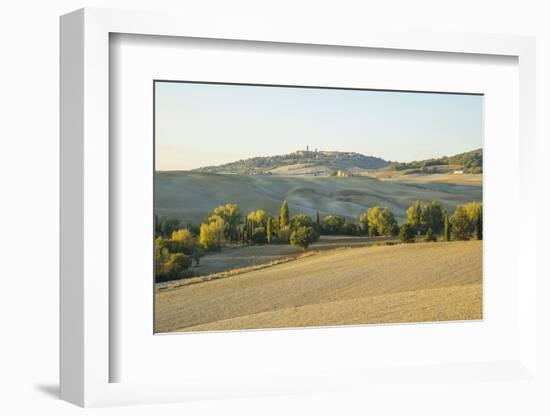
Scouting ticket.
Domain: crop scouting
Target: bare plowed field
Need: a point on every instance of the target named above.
(384, 284)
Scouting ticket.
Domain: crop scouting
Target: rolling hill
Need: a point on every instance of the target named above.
(189, 196)
(301, 162)
(327, 163)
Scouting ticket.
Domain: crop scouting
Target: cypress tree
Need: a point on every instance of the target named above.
(479, 226)
(285, 216)
(268, 230)
(318, 220)
(446, 228)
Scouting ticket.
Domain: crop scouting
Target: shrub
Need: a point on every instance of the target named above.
(176, 267)
(283, 235)
(302, 237)
(178, 263)
(350, 228)
(332, 224)
(197, 255)
(302, 220)
(430, 236)
(185, 241)
(407, 233)
(259, 236)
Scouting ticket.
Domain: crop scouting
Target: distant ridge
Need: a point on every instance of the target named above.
(470, 162)
(331, 162)
(301, 162)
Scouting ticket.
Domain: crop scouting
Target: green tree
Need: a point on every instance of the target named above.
(475, 215)
(244, 232)
(414, 216)
(302, 237)
(258, 218)
(165, 226)
(432, 217)
(259, 236)
(197, 255)
(332, 224)
(364, 220)
(446, 228)
(318, 221)
(212, 234)
(467, 221)
(349, 228)
(231, 215)
(381, 221)
(406, 233)
(269, 230)
(302, 220)
(479, 225)
(430, 235)
(284, 215)
(460, 223)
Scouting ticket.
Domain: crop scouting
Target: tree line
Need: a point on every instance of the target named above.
(432, 221)
(177, 246)
(471, 162)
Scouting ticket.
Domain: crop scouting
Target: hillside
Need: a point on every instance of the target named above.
(189, 196)
(370, 287)
(328, 163)
(302, 162)
(469, 162)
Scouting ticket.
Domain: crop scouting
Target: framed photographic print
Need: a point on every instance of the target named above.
(253, 233)
(269, 212)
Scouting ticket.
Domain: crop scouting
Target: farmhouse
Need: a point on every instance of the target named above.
(343, 173)
(458, 172)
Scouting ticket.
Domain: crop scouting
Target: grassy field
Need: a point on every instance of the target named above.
(361, 285)
(189, 196)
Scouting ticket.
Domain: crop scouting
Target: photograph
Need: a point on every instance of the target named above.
(282, 206)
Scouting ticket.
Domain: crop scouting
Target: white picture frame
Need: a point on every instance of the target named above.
(85, 209)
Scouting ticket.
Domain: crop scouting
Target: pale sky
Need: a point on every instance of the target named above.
(207, 124)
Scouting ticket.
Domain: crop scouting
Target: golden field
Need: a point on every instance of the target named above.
(343, 286)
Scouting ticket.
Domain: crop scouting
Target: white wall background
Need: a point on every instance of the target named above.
(29, 194)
